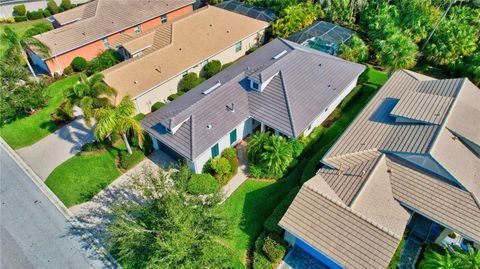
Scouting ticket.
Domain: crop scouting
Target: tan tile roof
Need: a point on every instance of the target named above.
(102, 18)
(338, 232)
(195, 37)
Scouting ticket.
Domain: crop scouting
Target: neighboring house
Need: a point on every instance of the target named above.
(323, 36)
(251, 11)
(89, 29)
(169, 52)
(410, 161)
(282, 87)
(6, 6)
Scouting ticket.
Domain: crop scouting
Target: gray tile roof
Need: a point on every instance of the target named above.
(297, 93)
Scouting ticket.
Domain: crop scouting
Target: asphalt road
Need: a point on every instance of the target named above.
(34, 233)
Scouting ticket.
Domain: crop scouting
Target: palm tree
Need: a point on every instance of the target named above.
(469, 259)
(118, 119)
(17, 44)
(277, 155)
(90, 93)
(435, 260)
(255, 145)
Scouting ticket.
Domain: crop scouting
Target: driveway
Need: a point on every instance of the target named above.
(51, 151)
(94, 213)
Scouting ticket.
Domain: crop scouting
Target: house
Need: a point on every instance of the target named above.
(251, 11)
(323, 36)
(89, 29)
(282, 87)
(161, 56)
(407, 166)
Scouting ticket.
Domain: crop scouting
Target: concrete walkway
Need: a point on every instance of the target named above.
(242, 174)
(56, 148)
(95, 213)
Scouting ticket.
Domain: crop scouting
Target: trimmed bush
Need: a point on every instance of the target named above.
(46, 13)
(97, 145)
(271, 223)
(157, 106)
(66, 4)
(20, 18)
(10, 20)
(260, 261)
(79, 64)
(202, 184)
(188, 82)
(128, 161)
(172, 97)
(212, 68)
(274, 247)
(221, 166)
(139, 116)
(34, 15)
(52, 7)
(20, 10)
(229, 153)
(60, 9)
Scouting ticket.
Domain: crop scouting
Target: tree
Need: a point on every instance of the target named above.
(435, 260)
(355, 50)
(417, 17)
(169, 228)
(396, 52)
(341, 11)
(188, 82)
(296, 18)
(469, 259)
(16, 44)
(104, 60)
(276, 156)
(118, 119)
(212, 68)
(255, 146)
(90, 93)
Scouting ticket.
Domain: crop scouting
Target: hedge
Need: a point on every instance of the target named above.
(20, 18)
(20, 10)
(46, 13)
(202, 184)
(139, 116)
(271, 223)
(157, 106)
(274, 247)
(260, 261)
(52, 7)
(128, 161)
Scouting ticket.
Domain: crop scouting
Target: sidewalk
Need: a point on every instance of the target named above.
(242, 174)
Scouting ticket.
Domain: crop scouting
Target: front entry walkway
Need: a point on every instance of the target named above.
(242, 174)
(53, 150)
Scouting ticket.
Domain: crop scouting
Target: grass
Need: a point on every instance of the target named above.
(28, 130)
(81, 177)
(20, 28)
(254, 201)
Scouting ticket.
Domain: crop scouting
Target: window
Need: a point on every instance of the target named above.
(136, 29)
(106, 44)
(238, 46)
(255, 85)
(184, 73)
(233, 137)
(215, 151)
(163, 18)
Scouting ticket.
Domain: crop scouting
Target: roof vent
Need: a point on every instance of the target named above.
(231, 108)
(276, 57)
(320, 65)
(135, 82)
(159, 69)
(209, 126)
(214, 87)
(228, 31)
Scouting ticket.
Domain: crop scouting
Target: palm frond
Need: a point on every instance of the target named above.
(128, 124)
(126, 107)
(32, 42)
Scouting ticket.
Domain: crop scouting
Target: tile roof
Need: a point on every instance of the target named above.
(178, 46)
(296, 94)
(101, 18)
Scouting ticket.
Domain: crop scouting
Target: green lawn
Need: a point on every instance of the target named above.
(20, 28)
(81, 177)
(28, 130)
(253, 202)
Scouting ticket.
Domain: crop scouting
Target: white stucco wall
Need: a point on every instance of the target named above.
(243, 130)
(331, 107)
(160, 93)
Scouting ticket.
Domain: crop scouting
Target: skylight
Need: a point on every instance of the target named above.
(214, 87)
(276, 57)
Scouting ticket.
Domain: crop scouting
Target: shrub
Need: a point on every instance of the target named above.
(221, 166)
(188, 82)
(79, 64)
(139, 116)
(10, 19)
(172, 97)
(212, 68)
(259, 259)
(229, 153)
(147, 146)
(202, 184)
(66, 4)
(250, 50)
(255, 171)
(63, 114)
(52, 7)
(157, 106)
(297, 147)
(38, 28)
(274, 247)
(128, 161)
(225, 66)
(104, 60)
(46, 13)
(20, 10)
(20, 18)
(336, 114)
(271, 223)
(96, 145)
(68, 71)
(34, 15)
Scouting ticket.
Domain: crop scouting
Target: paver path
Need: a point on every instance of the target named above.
(94, 213)
(56, 148)
(242, 174)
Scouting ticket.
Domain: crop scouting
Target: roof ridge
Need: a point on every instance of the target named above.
(371, 150)
(362, 217)
(287, 102)
(370, 173)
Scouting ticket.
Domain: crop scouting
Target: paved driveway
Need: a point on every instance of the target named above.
(51, 151)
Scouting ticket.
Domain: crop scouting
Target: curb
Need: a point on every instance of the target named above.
(98, 248)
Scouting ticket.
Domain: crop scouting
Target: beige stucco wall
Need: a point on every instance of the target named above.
(160, 93)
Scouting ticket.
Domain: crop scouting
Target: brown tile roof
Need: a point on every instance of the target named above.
(194, 38)
(102, 18)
